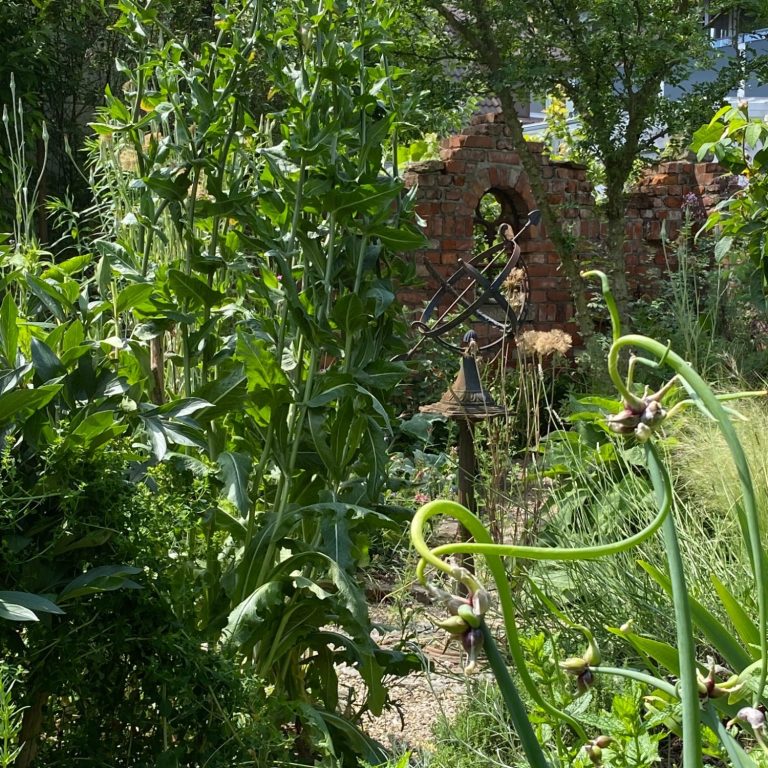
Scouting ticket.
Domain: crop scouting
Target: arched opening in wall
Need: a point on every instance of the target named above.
(496, 208)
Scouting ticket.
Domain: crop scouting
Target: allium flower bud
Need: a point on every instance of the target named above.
(455, 625)
(753, 716)
(643, 433)
(466, 613)
(594, 753)
(454, 603)
(575, 665)
(472, 640)
(592, 655)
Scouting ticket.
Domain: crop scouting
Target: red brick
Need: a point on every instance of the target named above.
(499, 157)
(462, 244)
(480, 142)
(455, 166)
(472, 155)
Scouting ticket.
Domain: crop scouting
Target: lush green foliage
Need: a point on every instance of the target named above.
(228, 306)
(738, 143)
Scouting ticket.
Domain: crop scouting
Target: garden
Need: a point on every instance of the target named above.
(229, 528)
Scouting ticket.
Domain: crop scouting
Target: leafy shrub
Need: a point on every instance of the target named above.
(123, 678)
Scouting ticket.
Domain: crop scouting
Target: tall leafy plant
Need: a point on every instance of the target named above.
(247, 282)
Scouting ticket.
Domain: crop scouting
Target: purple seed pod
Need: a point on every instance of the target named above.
(472, 640)
(584, 680)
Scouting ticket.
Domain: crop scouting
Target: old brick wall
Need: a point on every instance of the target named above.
(481, 159)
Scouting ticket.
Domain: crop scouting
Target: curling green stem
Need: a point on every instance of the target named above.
(484, 545)
(493, 553)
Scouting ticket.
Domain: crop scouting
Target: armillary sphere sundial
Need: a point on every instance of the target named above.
(490, 290)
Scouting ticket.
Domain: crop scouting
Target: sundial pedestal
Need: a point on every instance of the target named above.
(466, 403)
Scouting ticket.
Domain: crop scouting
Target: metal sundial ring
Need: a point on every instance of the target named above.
(468, 303)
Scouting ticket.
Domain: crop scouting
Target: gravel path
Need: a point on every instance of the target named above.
(419, 699)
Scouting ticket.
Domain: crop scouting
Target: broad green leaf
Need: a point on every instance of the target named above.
(267, 383)
(133, 296)
(369, 750)
(366, 198)
(324, 667)
(32, 602)
(400, 239)
(12, 403)
(249, 617)
(96, 429)
(235, 469)
(349, 314)
(193, 290)
(225, 394)
(723, 247)
(47, 365)
(169, 189)
(68, 267)
(9, 331)
(664, 654)
(49, 297)
(184, 406)
(104, 578)
(156, 434)
(336, 542)
(328, 395)
(318, 418)
(16, 612)
(223, 521)
(742, 623)
(95, 538)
